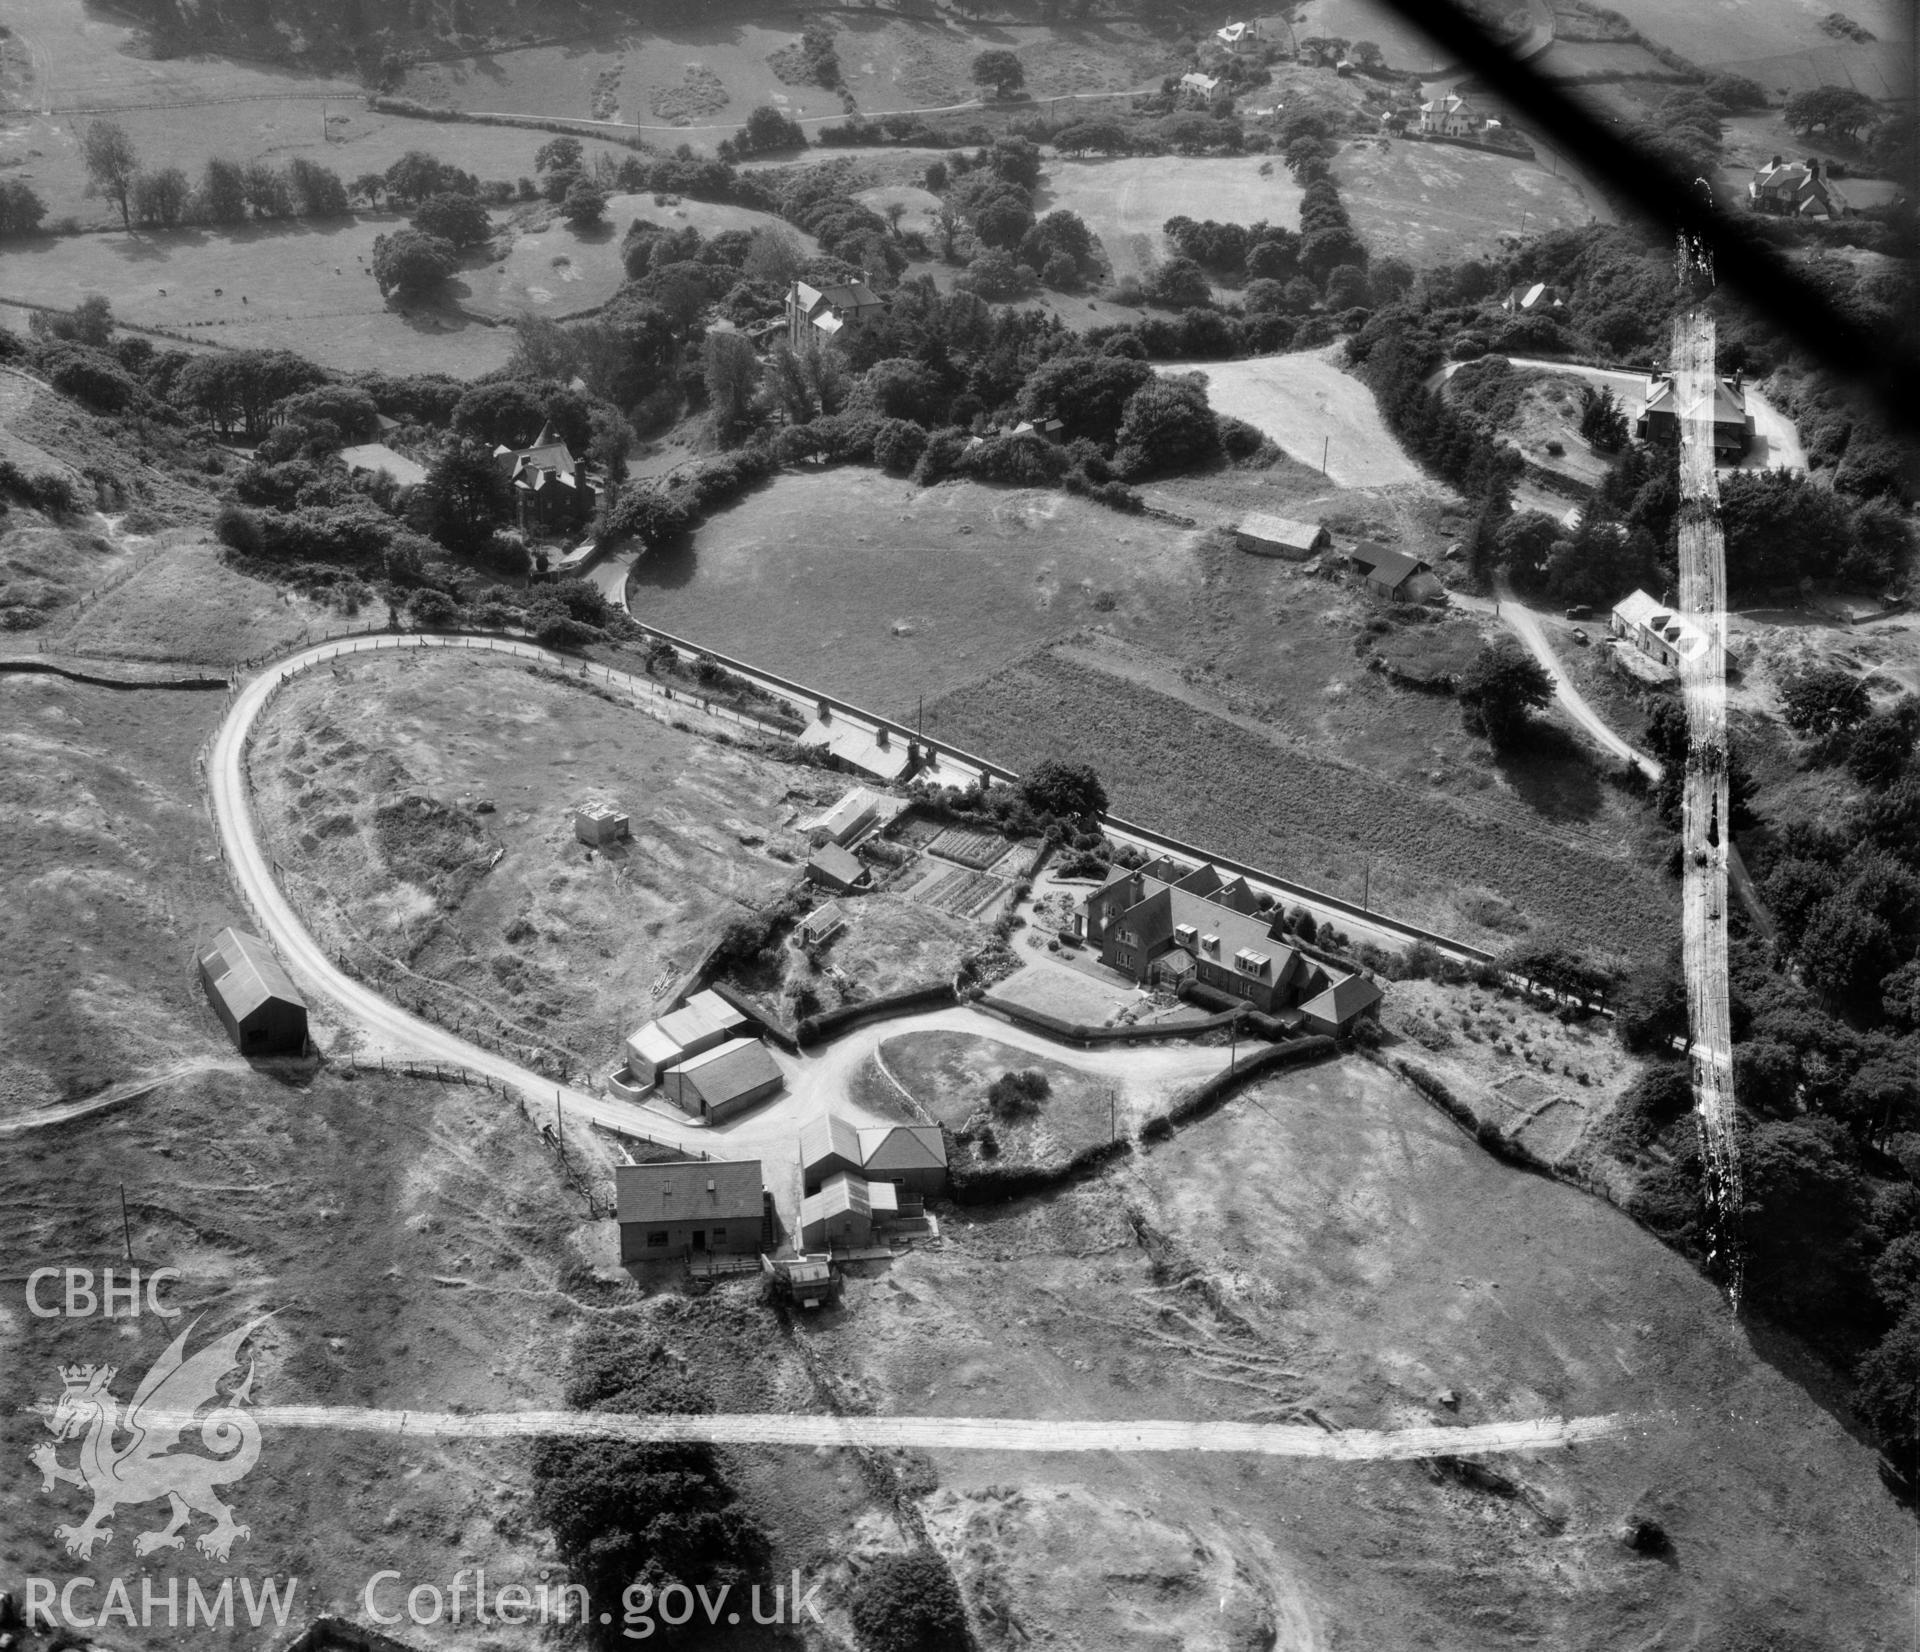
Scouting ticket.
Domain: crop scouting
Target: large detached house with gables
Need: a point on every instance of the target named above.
(1167, 924)
(826, 313)
(552, 490)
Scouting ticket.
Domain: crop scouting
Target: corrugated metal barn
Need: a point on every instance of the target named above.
(253, 995)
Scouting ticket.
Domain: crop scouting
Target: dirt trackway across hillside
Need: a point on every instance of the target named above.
(814, 1430)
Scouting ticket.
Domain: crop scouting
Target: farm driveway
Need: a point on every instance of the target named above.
(1307, 405)
(1526, 625)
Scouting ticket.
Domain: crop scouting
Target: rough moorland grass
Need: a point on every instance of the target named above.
(1215, 784)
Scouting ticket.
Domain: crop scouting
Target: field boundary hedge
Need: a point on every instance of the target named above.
(831, 1023)
(46, 669)
(1079, 1033)
(991, 1184)
(1237, 1077)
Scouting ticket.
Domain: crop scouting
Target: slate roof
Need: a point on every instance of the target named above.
(1390, 567)
(1282, 530)
(828, 1137)
(687, 1190)
(242, 969)
(841, 865)
(903, 1147)
(1343, 1000)
(730, 1070)
(1729, 405)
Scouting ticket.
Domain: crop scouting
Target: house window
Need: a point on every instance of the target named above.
(1127, 936)
(717, 1237)
(1125, 957)
(658, 1237)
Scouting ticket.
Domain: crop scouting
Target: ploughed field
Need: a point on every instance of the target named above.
(1245, 790)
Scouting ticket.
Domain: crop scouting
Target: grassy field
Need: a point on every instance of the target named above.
(367, 785)
(1304, 401)
(949, 1074)
(45, 569)
(1719, 34)
(557, 271)
(112, 881)
(869, 587)
(1433, 203)
(1330, 1247)
(1247, 790)
(1406, 48)
(699, 79)
(1125, 200)
(304, 286)
(179, 600)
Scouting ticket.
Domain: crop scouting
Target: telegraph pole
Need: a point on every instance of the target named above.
(126, 1225)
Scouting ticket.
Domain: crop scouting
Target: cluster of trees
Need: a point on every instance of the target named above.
(649, 1514)
(228, 192)
(1831, 1222)
(21, 210)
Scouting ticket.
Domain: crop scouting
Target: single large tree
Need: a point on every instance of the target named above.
(1000, 70)
(467, 495)
(1068, 791)
(732, 373)
(459, 220)
(112, 166)
(411, 264)
(1499, 691)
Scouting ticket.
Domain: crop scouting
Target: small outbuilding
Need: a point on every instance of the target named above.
(1264, 535)
(848, 818)
(913, 1157)
(688, 1207)
(1345, 1002)
(837, 869)
(723, 1081)
(829, 1146)
(1395, 575)
(253, 995)
(823, 923)
(840, 1214)
(600, 824)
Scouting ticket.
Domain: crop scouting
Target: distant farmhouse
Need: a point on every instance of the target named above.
(1280, 536)
(1535, 298)
(255, 999)
(687, 1207)
(1660, 421)
(1168, 924)
(843, 308)
(1238, 37)
(872, 750)
(1796, 189)
(1449, 117)
(1197, 82)
(552, 491)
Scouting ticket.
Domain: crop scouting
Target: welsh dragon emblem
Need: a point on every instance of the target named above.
(148, 1463)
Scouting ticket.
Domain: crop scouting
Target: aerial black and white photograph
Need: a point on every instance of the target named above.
(959, 826)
